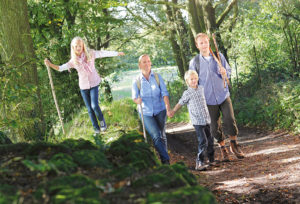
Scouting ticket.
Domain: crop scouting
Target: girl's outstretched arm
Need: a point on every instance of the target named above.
(49, 64)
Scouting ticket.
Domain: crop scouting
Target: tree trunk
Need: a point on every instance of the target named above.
(203, 19)
(178, 37)
(17, 52)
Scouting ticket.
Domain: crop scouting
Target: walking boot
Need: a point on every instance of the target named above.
(236, 150)
(225, 154)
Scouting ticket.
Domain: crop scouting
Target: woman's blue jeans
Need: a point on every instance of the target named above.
(155, 126)
(90, 98)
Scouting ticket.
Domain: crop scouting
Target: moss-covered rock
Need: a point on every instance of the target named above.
(17, 148)
(191, 195)
(165, 177)
(130, 149)
(46, 150)
(79, 144)
(63, 162)
(7, 194)
(70, 189)
(91, 158)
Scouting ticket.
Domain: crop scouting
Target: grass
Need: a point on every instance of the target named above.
(119, 115)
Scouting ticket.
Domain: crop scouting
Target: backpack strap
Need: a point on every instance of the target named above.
(197, 63)
(138, 80)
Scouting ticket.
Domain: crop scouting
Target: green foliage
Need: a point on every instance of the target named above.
(176, 89)
(275, 106)
(7, 194)
(4, 139)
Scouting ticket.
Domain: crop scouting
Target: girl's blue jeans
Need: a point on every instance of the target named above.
(90, 98)
(155, 126)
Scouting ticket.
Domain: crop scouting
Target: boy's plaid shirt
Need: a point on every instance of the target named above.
(195, 100)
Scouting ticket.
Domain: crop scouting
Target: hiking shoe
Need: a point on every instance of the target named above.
(224, 154)
(200, 166)
(236, 150)
(103, 126)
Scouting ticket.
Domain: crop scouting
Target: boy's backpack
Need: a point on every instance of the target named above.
(138, 80)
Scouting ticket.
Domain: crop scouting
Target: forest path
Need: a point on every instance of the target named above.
(270, 173)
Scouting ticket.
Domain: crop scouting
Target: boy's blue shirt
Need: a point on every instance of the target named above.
(211, 79)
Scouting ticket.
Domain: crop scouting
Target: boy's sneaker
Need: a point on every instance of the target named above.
(103, 126)
(200, 166)
(97, 132)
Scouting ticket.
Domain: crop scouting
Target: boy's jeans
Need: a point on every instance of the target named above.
(205, 142)
(154, 126)
(90, 98)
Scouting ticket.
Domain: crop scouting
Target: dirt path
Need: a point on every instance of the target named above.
(270, 173)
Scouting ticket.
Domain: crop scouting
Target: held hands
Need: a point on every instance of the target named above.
(121, 54)
(170, 113)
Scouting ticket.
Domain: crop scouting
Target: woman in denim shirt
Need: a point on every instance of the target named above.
(154, 100)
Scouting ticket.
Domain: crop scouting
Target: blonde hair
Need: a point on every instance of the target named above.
(85, 50)
(140, 58)
(188, 74)
(201, 35)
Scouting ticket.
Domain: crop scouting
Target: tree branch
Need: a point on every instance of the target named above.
(179, 6)
(226, 11)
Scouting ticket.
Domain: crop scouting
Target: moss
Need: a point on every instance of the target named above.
(181, 169)
(162, 177)
(130, 148)
(91, 158)
(70, 189)
(64, 162)
(7, 194)
(79, 144)
(46, 150)
(14, 148)
(192, 195)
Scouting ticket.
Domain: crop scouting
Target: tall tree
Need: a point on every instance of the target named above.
(20, 71)
(204, 17)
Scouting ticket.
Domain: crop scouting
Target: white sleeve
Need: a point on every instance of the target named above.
(102, 54)
(64, 67)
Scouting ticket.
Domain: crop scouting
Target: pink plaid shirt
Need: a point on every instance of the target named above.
(87, 74)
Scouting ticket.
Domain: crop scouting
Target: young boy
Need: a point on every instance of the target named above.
(195, 100)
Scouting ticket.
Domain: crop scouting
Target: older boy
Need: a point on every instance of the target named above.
(217, 97)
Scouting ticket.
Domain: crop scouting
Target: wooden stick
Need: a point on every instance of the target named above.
(55, 101)
(220, 65)
(142, 116)
(219, 59)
